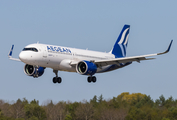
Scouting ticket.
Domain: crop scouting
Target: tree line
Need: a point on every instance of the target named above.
(126, 106)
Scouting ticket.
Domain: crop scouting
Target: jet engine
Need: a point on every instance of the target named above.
(86, 68)
(34, 71)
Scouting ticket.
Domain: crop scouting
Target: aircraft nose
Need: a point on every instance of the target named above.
(22, 56)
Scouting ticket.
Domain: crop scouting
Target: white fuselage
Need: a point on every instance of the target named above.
(60, 58)
(37, 57)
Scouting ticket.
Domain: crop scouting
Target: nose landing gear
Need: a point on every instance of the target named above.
(56, 79)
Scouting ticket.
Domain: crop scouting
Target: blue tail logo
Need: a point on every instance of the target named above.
(119, 49)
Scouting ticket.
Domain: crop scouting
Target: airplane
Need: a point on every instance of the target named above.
(38, 56)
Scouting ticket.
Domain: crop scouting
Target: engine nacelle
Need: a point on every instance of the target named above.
(31, 70)
(86, 68)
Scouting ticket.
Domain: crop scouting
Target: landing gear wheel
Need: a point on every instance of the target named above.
(89, 79)
(59, 79)
(93, 79)
(54, 80)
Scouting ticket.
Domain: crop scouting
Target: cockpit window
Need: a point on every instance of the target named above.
(30, 49)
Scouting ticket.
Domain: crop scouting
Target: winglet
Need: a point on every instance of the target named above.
(10, 54)
(167, 49)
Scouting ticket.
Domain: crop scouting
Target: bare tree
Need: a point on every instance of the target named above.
(55, 112)
(17, 110)
(5, 109)
(85, 111)
(113, 114)
(1, 103)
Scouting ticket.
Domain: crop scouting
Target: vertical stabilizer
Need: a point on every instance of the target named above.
(119, 49)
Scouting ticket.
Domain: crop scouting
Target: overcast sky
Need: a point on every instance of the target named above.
(94, 25)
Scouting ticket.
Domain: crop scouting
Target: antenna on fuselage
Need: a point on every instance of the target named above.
(37, 42)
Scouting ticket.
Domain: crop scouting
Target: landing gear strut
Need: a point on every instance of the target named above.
(36, 71)
(56, 79)
(91, 79)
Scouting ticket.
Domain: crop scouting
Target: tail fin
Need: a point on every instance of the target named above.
(119, 49)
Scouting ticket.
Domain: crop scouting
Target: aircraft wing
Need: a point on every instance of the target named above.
(101, 63)
(129, 59)
(10, 54)
(123, 60)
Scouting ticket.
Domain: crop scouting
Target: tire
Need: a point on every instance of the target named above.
(93, 79)
(59, 79)
(54, 80)
(89, 79)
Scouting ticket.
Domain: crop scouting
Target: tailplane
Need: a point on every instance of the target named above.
(119, 49)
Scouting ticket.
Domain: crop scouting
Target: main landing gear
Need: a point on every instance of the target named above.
(91, 79)
(59, 80)
(56, 79)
